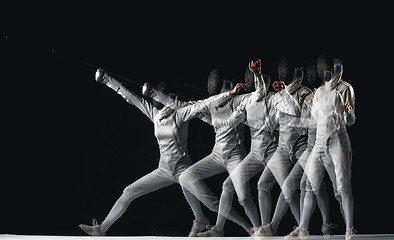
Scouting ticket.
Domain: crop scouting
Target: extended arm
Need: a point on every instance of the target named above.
(202, 106)
(165, 99)
(130, 97)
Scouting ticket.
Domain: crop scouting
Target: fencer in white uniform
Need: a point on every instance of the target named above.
(297, 178)
(227, 152)
(252, 111)
(171, 135)
(287, 104)
(333, 110)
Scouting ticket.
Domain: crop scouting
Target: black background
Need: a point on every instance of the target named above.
(71, 145)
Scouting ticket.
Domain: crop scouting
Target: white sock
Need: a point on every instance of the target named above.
(302, 197)
(117, 210)
(323, 203)
(280, 210)
(348, 208)
(265, 205)
(194, 204)
(295, 207)
(307, 211)
(226, 201)
(251, 211)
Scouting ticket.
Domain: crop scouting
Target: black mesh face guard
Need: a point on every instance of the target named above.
(285, 71)
(324, 64)
(313, 77)
(249, 80)
(215, 82)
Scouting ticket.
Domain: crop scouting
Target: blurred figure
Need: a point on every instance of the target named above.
(252, 111)
(171, 135)
(287, 103)
(227, 152)
(297, 177)
(333, 110)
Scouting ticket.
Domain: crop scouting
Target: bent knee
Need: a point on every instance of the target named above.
(343, 191)
(264, 186)
(129, 193)
(188, 177)
(183, 178)
(228, 186)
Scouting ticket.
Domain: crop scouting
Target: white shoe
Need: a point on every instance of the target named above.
(350, 234)
(94, 230)
(298, 232)
(212, 232)
(326, 229)
(198, 226)
(268, 231)
(257, 232)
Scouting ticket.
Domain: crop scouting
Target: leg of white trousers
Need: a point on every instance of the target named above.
(244, 197)
(192, 180)
(323, 203)
(282, 206)
(295, 207)
(348, 208)
(240, 176)
(251, 211)
(117, 210)
(280, 167)
(226, 211)
(146, 184)
(265, 205)
(339, 198)
(264, 186)
(342, 165)
(226, 200)
(194, 204)
(302, 198)
(307, 211)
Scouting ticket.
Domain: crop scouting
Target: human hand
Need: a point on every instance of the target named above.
(238, 88)
(303, 96)
(345, 108)
(278, 86)
(255, 67)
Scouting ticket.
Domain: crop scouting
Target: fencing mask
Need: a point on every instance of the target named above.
(217, 83)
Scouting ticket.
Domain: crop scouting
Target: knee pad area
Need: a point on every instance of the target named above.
(228, 186)
(188, 178)
(245, 201)
(264, 187)
(126, 197)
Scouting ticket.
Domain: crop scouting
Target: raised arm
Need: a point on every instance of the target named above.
(259, 83)
(130, 97)
(222, 101)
